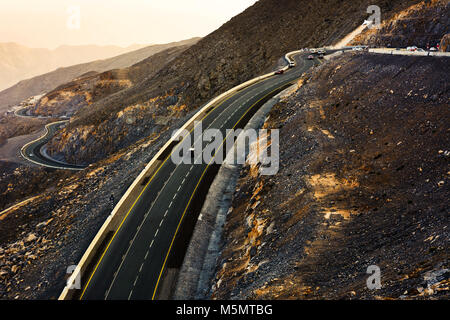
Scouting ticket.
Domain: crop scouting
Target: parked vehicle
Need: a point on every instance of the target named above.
(281, 71)
(310, 57)
(321, 56)
(291, 64)
(433, 49)
(412, 48)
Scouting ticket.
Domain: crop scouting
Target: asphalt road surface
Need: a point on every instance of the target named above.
(133, 261)
(32, 151)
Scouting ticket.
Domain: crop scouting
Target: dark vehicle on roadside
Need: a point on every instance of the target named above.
(281, 71)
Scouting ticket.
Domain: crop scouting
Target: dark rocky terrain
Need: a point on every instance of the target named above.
(17, 182)
(12, 126)
(445, 43)
(363, 180)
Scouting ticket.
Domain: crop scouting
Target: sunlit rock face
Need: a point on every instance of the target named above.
(423, 24)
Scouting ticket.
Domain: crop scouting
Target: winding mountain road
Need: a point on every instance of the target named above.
(133, 262)
(32, 151)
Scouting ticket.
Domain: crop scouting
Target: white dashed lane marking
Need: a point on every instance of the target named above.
(179, 188)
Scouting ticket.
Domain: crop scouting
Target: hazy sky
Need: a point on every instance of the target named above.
(50, 23)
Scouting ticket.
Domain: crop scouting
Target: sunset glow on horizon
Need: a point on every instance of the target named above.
(51, 23)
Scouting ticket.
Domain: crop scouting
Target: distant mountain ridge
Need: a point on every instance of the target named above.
(18, 62)
(49, 81)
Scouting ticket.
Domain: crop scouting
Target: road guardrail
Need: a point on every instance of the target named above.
(409, 53)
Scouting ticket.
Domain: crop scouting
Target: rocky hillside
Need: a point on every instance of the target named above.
(12, 126)
(445, 43)
(51, 80)
(422, 24)
(14, 186)
(67, 99)
(249, 44)
(363, 180)
(40, 238)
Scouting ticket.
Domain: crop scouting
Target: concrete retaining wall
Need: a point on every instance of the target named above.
(410, 53)
(198, 269)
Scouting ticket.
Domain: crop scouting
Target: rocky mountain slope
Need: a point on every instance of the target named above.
(445, 43)
(249, 44)
(51, 80)
(18, 62)
(364, 169)
(68, 98)
(12, 126)
(422, 24)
